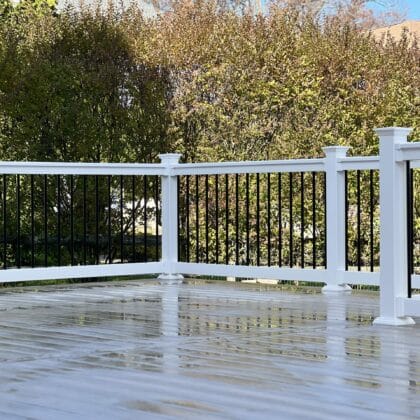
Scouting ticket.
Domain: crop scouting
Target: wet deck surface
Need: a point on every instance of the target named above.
(198, 350)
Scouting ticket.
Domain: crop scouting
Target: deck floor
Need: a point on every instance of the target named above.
(139, 349)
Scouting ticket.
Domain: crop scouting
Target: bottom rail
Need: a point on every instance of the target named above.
(14, 275)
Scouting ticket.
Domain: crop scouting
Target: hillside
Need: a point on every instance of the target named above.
(413, 27)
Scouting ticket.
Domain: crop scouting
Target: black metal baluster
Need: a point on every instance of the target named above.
(145, 216)
(325, 220)
(133, 217)
(4, 221)
(346, 217)
(179, 216)
(122, 219)
(268, 220)
(109, 220)
(247, 218)
(45, 221)
(313, 220)
(58, 220)
(258, 219)
(302, 220)
(227, 218)
(157, 215)
(187, 208)
(18, 262)
(410, 228)
(197, 221)
(96, 219)
(290, 219)
(217, 217)
(280, 231)
(371, 211)
(359, 249)
(207, 218)
(32, 222)
(84, 220)
(237, 219)
(71, 219)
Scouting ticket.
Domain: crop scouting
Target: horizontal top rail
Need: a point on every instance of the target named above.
(78, 168)
(359, 163)
(206, 168)
(263, 166)
(408, 151)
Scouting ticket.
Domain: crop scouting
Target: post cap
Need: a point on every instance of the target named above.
(393, 131)
(338, 151)
(170, 158)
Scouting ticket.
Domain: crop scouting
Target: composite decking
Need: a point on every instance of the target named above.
(140, 349)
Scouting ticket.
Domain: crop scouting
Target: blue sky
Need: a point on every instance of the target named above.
(412, 7)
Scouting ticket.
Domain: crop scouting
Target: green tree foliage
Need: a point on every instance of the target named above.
(71, 89)
(110, 85)
(282, 85)
(10, 10)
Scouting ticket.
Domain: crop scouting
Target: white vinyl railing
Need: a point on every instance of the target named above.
(396, 307)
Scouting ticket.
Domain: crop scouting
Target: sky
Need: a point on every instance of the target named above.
(411, 7)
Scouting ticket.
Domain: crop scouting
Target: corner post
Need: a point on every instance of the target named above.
(336, 232)
(169, 217)
(393, 229)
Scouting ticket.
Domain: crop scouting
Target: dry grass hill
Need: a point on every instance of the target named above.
(412, 26)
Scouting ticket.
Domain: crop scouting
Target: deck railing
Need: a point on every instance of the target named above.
(284, 220)
(314, 220)
(68, 220)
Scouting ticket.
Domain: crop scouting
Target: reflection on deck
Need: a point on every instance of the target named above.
(125, 350)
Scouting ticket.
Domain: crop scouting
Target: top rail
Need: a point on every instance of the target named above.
(207, 168)
(65, 168)
(211, 168)
(408, 151)
(263, 166)
(359, 163)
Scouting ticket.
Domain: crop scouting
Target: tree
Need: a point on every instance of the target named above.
(349, 10)
(210, 82)
(70, 89)
(9, 8)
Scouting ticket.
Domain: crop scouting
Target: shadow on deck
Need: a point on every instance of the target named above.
(138, 348)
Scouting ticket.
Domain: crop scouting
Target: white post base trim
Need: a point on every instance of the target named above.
(394, 321)
(171, 278)
(336, 288)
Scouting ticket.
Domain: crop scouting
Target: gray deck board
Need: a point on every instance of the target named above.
(136, 349)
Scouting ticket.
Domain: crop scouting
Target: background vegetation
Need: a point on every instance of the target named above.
(207, 79)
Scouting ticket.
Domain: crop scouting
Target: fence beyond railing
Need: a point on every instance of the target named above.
(314, 220)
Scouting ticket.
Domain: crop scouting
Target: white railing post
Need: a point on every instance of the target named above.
(336, 235)
(169, 218)
(393, 219)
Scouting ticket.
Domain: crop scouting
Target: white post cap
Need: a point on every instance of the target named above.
(338, 151)
(396, 133)
(170, 158)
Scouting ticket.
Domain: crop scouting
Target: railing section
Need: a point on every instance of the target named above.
(73, 215)
(257, 219)
(253, 219)
(318, 220)
(290, 220)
